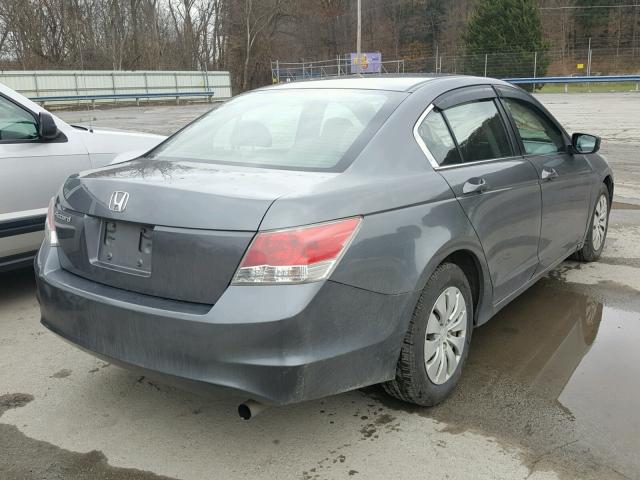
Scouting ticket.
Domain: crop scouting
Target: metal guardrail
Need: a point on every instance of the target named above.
(83, 86)
(210, 94)
(123, 96)
(581, 79)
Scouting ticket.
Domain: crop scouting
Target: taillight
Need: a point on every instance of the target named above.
(50, 235)
(296, 255)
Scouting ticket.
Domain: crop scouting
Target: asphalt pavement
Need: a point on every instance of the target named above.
(550, 389)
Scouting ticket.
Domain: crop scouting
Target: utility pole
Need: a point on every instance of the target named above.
(589, 59)
(589, 65)
(359, 39)
(535, 68)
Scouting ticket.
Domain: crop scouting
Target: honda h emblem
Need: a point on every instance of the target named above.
(118, 201)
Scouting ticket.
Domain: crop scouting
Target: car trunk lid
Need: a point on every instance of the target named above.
(180, 233)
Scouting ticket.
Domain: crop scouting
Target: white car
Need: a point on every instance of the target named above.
(38, 151)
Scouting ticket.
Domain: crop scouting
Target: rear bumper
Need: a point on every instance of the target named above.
(277, 344)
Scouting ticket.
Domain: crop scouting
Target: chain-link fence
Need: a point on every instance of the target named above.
(336, 67)
(595, 61)
(600, 61)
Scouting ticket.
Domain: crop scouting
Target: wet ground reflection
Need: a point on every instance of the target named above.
(540, 339)
(625, 206)
(557, 373)
(554, 375)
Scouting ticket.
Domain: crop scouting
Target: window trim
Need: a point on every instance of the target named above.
(436, 166)
(420, 141)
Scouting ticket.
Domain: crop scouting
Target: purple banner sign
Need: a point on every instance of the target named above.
(370, 62)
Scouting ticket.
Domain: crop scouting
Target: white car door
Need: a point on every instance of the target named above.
(31, 171)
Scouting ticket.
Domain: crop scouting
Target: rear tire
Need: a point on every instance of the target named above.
(442, 322)
(598, 227)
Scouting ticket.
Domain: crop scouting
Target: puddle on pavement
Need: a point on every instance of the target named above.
(624, 206)
(23, 458)
(556, 373)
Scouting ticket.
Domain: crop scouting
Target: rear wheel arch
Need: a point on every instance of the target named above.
(608, 181)
(472, 263)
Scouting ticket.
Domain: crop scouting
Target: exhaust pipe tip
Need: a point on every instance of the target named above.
(250, 409)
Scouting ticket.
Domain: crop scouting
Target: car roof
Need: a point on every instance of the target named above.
(398, 83)
(18, 98)
(392, 82)
(23, 101)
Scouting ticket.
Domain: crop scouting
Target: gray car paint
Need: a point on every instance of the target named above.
(563, 197)
(180, 250)
(187, 194)
(289, 343)
(506, 218)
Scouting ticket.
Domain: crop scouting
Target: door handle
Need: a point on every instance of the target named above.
(474, 185)
(549, 174)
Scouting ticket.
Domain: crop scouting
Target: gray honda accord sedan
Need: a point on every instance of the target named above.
(316, 237)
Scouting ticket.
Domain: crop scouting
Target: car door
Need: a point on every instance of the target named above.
(464, 133)
(565, 178)
(31, 171)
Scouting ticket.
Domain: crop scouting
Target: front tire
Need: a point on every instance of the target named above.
(437, 342)
(598, 227)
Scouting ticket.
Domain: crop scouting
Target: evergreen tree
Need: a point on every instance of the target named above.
(508, 32)
(589, 19)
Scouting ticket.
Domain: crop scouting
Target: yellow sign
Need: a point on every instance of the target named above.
(363, 61)
(580, 66)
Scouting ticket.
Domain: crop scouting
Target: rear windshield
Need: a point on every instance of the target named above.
(310, 129)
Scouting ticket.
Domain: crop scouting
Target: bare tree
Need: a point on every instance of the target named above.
(257, 17)
(243, 36)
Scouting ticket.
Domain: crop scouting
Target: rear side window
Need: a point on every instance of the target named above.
(479, 130)
(539, 135)
(436, 136)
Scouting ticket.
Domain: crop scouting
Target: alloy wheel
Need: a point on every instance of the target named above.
(600, 216)
(446, 335)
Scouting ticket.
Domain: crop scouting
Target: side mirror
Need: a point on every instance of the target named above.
(585, 143)
(47, 128)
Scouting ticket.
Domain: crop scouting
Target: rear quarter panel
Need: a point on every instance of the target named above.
(412, 220)
(396, 251)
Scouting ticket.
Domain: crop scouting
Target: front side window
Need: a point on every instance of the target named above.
(436, 136)
(301, 129)
(479, 130)
(16, 123)
(539, 135)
